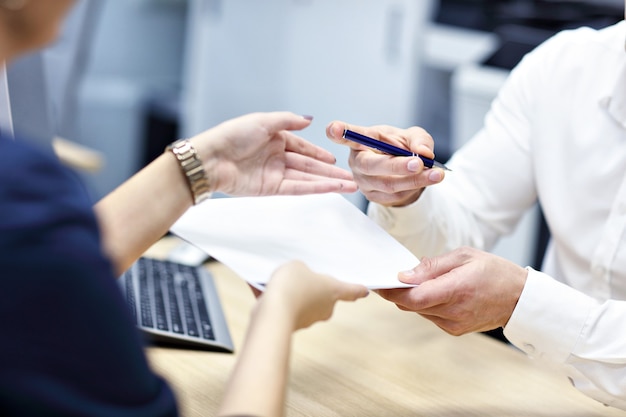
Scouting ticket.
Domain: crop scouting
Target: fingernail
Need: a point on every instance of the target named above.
(408, 273)
(414, 165)
(435, 175)
(306, 116)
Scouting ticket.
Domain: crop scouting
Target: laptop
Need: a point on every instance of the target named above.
(176, 304)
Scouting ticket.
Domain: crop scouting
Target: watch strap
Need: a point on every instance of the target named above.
(192, 168)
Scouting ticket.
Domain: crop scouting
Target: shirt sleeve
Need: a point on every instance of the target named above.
(556, 323)
(474, 205)
(430, 226)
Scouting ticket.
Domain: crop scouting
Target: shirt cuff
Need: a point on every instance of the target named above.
(549, 318)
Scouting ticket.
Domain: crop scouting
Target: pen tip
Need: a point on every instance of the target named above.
(442, 166)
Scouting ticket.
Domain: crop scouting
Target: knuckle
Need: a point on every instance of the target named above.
(454, 328)
(455, 331)
(429, 263)
(422, 134)
(467, 252)
(390, 184)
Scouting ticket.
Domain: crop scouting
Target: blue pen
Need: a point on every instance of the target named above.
(389, 149)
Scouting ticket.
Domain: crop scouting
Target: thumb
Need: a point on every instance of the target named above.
(334, 131)
(414, 276)
(430, 268)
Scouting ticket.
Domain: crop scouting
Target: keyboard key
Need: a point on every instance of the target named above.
(130, 297)
(205, 321)
(175, 316)
(190, 317)
(145, 277)
(159, 299)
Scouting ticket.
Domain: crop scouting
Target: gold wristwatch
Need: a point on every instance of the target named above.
(191, 166)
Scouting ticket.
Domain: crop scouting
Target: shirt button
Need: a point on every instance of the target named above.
(529, 348)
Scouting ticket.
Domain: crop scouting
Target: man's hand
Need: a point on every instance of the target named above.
(385, 179)
(463, 291)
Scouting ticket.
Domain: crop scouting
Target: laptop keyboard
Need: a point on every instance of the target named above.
(171, 299)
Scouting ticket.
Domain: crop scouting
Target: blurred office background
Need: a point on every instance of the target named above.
(129, 76)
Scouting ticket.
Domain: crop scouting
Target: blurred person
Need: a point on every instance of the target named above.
(70, 346)
(555, 134)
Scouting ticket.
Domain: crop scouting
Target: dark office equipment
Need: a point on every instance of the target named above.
(176, 304)
(488, 15)
(161, 125)
(521, 25)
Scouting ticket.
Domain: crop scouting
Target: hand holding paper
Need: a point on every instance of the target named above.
(255, 235)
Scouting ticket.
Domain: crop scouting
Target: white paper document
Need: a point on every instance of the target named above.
(255, 235)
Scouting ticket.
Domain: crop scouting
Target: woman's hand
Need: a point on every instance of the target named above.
(294, 298)
(306, 296)
(258, 154)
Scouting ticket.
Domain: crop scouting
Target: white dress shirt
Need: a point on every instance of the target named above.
(6, 121)
(556, 133)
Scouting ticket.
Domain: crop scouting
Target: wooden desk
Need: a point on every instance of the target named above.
(372, 359)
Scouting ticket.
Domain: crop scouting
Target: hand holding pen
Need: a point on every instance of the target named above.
(389, 149)
(386, 180)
